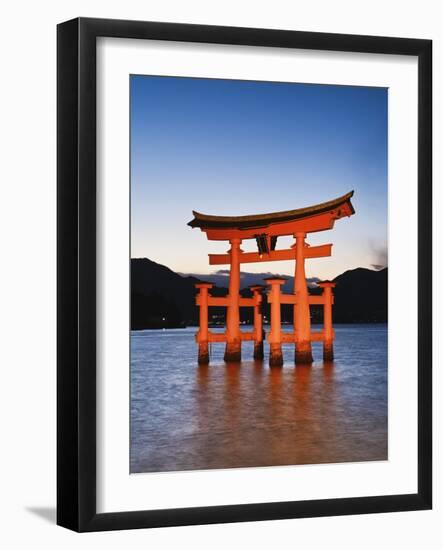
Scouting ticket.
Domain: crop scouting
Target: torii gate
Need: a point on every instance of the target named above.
(265, 229)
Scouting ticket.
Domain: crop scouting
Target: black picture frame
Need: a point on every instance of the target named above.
(76, 266)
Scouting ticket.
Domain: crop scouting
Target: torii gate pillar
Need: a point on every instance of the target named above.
(275, 336)
(202, 336)
(257, 295)
(328, 336)
(302, 316)
(233, 336)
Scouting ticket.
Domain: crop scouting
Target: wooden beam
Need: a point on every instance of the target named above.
(224, 300)
(216, 336)
(292, 299)
(316, 300)
(247, 302)
(273, 256)
(218, 301)
(290, 337)
(250, 302)
(221, 336)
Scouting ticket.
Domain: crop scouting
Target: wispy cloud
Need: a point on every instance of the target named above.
(221, 278)
(379, 255)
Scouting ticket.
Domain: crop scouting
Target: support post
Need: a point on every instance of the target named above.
(274, 337)
(302, 317)
(257, 294)
(203, 332)
(328, 341)
(233, 337)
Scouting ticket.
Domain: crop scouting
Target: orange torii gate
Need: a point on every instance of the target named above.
(265, 229)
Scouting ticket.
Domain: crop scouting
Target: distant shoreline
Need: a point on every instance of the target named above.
(250, 325)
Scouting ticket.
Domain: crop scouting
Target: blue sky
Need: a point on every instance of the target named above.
(237, 147)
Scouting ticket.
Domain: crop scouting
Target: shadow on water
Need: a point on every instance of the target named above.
(230, 415)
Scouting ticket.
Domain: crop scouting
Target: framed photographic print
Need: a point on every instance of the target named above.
(244, 274)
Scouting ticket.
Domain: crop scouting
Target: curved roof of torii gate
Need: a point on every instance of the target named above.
(333, 209)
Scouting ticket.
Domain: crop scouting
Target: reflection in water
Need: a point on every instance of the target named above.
(185, 416)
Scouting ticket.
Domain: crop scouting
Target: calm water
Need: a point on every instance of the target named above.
(186, 417)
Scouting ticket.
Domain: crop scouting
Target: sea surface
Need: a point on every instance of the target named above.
(190, 417)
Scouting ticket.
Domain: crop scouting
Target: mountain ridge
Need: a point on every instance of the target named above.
(162, 298)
